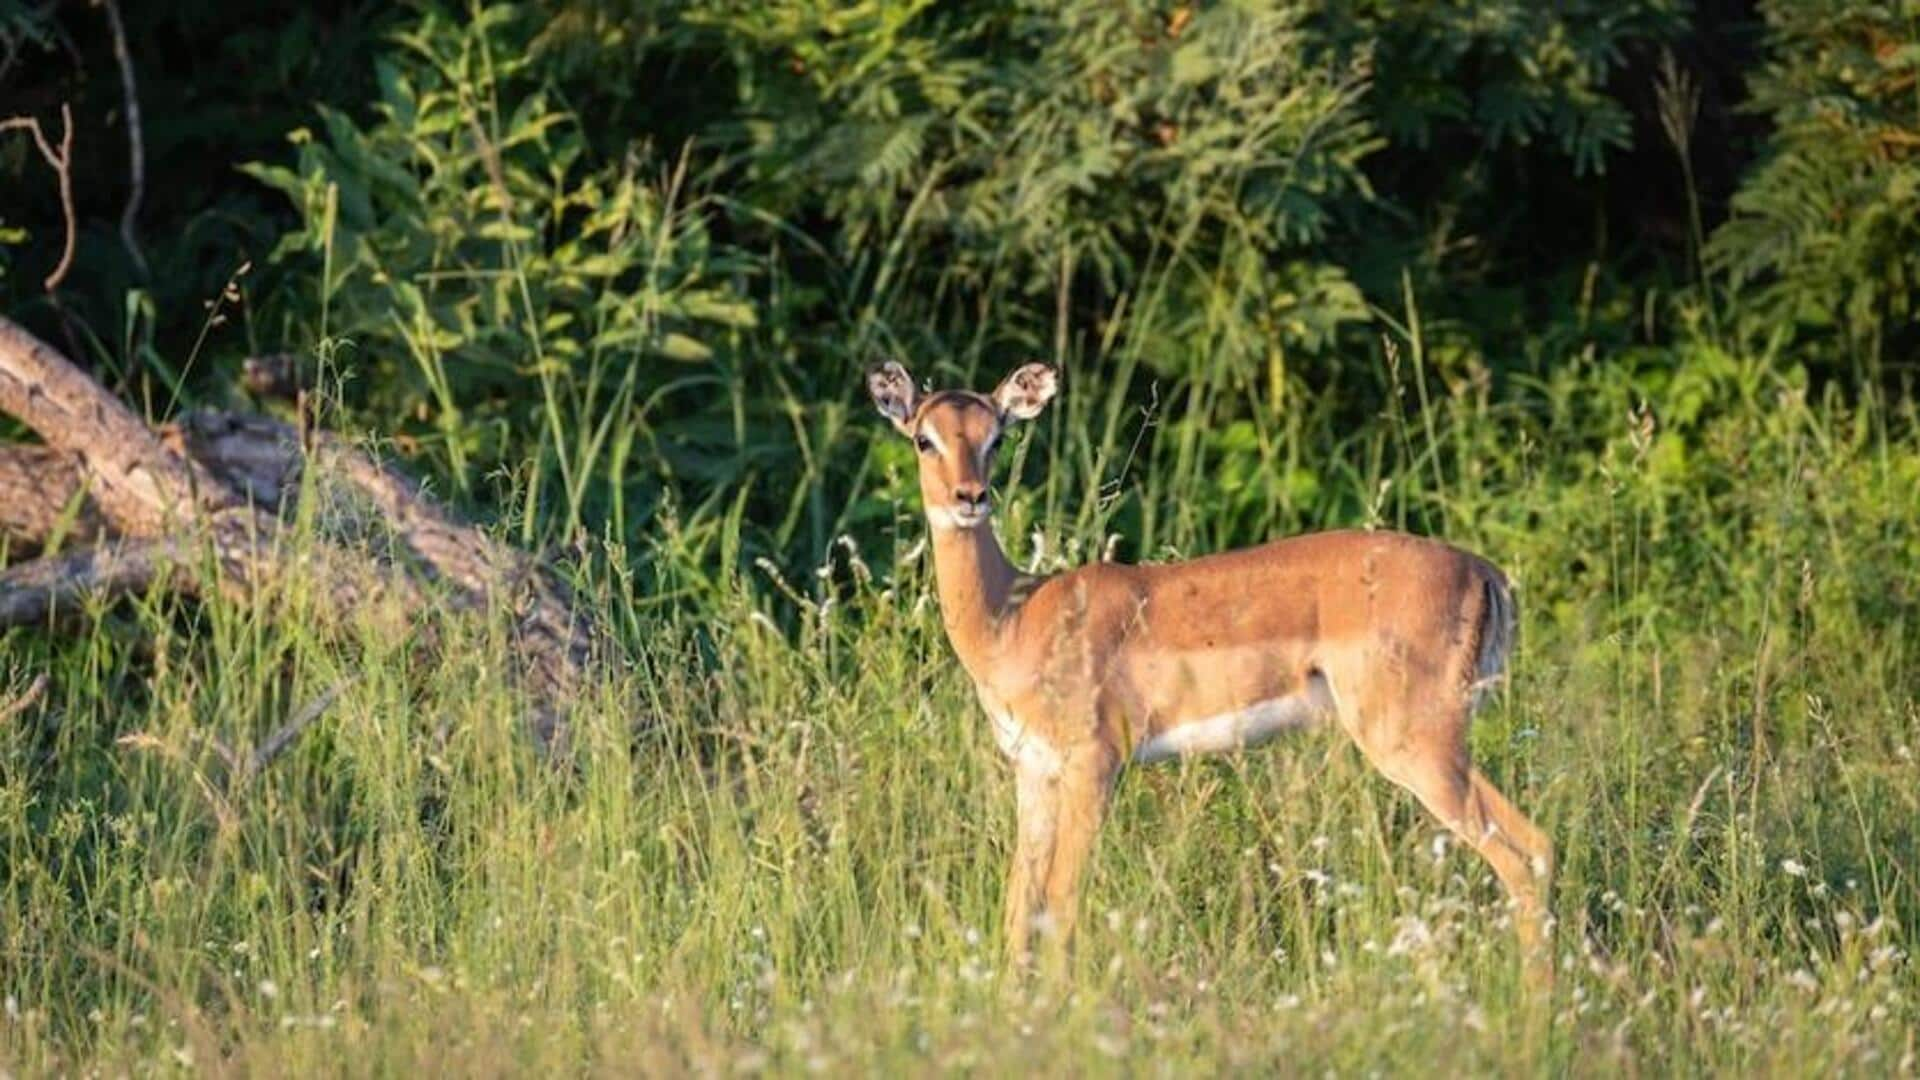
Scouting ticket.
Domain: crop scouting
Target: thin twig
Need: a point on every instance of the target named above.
(25, 701)
(61, 163)
(136, 148)
(277, 743)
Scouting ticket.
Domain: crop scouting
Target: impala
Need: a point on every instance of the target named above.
(1392, 637)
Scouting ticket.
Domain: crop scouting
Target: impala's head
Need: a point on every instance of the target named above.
(955, 432)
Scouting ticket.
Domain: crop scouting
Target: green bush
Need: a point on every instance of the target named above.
(1503, 72)
(1010, 136)
(485, 281)
(1824, 236)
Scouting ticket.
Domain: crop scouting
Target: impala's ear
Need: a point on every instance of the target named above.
(1024, 393)
(893, 393)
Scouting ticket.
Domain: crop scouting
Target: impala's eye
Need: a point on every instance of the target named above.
(924, 444)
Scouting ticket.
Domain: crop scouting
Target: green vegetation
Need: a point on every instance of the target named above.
(607, 273)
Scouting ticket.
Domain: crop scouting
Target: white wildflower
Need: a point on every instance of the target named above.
(1412, 935)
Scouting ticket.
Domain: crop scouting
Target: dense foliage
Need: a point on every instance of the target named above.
(1826, 227)
(526, 236)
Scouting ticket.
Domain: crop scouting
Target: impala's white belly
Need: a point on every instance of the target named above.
(1230, 731)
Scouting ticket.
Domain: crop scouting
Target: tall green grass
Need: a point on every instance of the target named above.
(782, 842)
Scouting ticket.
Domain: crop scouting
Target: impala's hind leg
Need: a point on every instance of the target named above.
(1520, 854)
(1428, 757)
(1507, 818)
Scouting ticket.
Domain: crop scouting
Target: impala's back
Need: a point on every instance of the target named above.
(1242, 645)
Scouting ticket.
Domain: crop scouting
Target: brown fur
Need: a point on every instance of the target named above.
(1392, 636)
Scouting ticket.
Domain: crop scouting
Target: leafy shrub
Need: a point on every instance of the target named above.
(1033, 146)
(492, 282)
(1503, 72)
(1825, 232)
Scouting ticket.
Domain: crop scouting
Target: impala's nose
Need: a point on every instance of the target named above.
(971, 497)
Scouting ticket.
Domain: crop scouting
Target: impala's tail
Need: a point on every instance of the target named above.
(1497, 626)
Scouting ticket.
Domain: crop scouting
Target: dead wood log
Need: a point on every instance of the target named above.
(40, 488)
(43, 590)
(142, 488)
(204, 504)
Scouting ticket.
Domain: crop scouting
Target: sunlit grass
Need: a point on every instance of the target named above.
(782, 843)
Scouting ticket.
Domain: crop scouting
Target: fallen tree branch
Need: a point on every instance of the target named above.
(212, 493)
(142, 488)
(276, 744)
(40, 490)
(45, 590)
(553, 641)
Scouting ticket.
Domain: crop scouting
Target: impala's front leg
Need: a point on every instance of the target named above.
(1037, 808)
(1081, 793)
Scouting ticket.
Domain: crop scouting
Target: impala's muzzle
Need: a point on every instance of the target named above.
(970, 508)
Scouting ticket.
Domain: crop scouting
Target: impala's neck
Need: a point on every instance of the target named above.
(976, 590)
